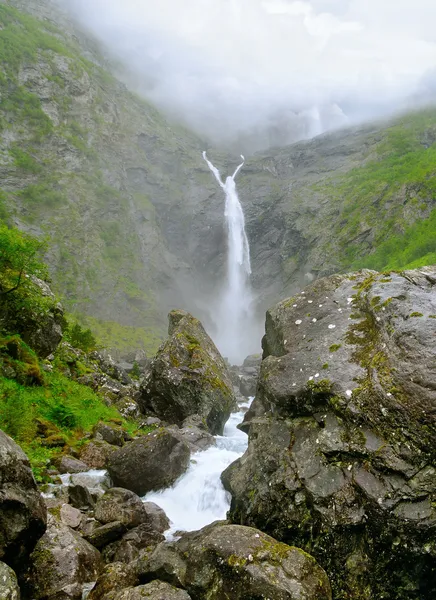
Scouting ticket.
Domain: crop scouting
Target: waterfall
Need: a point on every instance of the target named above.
(234, 309)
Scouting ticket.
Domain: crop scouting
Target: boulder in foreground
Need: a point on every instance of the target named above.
(342, 434)
(230, 561)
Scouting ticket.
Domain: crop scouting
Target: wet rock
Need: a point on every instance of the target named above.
(9, 589)
(156, 590)
(156, 517)
(80, 497)
(23, 513)
(151, 462)
(342, 434)
(68, 464)
(96, 454)
(129, 547)
(71, 516)
(122, 505)
(196, 439)
(61, 563)
(115, 577)
(229, 561)
(101, 536)
(93, 480)
(188, 376)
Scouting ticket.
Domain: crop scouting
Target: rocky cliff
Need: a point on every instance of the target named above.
(134, 217)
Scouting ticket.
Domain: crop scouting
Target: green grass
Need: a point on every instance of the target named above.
(394, 195)
(414, 248)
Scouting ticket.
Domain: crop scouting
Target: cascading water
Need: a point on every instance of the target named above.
(198, 497)
(234, 317)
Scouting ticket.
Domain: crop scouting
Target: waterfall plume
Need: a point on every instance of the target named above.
(234, 316)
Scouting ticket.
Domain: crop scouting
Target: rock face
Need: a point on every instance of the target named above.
(23, 513)
(151, 462)
(61, 563)
(9, 589)
(229, 561)
(188, 376)
(341, 457)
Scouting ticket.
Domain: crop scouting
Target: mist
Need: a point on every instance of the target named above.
(268, 72)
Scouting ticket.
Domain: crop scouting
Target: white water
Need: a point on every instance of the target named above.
(234, 310)
(198, 497)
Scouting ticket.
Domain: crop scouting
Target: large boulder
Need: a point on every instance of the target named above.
(230, 561)
(9, 589)
(151, 462)
(188, 376)
(61, 564)
(115, 577)
(23, 514)
(118, 504)
(342, 440)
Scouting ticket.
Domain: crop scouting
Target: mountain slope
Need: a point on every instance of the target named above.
(134, 217)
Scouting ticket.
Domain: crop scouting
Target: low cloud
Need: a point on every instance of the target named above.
(266, 72)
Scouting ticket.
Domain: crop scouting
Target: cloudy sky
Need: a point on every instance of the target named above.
(233, 67)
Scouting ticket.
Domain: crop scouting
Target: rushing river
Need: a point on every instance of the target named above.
(198, 497)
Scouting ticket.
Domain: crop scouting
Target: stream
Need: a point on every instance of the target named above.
(198, 497)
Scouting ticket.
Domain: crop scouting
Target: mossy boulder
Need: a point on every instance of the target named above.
(151, 462)
(9, 589)
(342, 436)
(61, 564)
(229, 561)
(23, 514)
(188, 377)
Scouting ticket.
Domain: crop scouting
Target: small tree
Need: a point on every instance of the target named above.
(19, 260)
(82, 338)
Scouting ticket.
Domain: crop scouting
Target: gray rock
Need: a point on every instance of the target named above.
(156, 590)
(342, 432)
(9, 589)
(104, 535)
(70, 516)
(61, 563)
(96, 454)
(188, 376)
(68, 464)
(23, 513)
(196, 439)
(122, 505)
(253, 361)
(80, 497)
(115, 577)
(156, 517)
(229, 561)
(128, 549)
(151, 462)
(109, 434)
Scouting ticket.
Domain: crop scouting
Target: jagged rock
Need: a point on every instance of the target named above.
(156, 590)
(128, 548)
(104, 535)
(119, 504)
(70, 516)
(23, 514)
(151, 462)
(230, 561)
(110, 434)
(109, 366)
(115, 577)
(342, 437)
(9, 589)
(61, 563)
(68, 464)
(188, 376)
(96, 454)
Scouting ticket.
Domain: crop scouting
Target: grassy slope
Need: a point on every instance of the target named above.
(394, 193)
